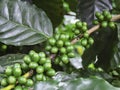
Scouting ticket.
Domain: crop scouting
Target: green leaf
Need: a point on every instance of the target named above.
(76, 62)
(10, 59)
(93, 83)
(53, 8)
(102, 51)
(64, 81)
(23, 24)
(115, 62)
(49, 85)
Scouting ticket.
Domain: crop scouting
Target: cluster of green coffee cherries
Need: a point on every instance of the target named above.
(61, 46)
(104, 19)
(80, 30)
(36, 62)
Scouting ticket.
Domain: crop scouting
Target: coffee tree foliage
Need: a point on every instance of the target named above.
(55, 45)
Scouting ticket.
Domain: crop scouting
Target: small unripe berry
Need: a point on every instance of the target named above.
(52, 41)
(104, 24)
(51, 72)
(8, 71)
(40, 69)
(33, 65)
(22, 80)
(29, 83)
(27, 59)
(11, 80)
(54, 50)
(39, 77)
(4, 82)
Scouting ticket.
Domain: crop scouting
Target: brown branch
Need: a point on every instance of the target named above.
(95, 28)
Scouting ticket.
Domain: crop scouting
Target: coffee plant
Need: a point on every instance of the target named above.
(41, 50)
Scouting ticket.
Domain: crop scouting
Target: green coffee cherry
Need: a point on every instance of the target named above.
(97, 14)
(31, 53)
(84, 24)
(54, 50)
(4, 82)
(62, 37)
(51, 72)
(57, 61)
(42, 54)
(109, 17)
(95, 22)
(101, 18)
(24, 66)
(71, 55)
(67, 43)
(78, 24)
(86, 35)
(67, 36)
(33, 65)
(39, 77)
(29, 83)
(18, 88)
(70, 48)
(17, 65)
(52, 41)
(27, 59)
(63, 50)
(22, 80)
(8, 71)
(40, 69)
(64, 59)
(48, 60)
(17, 72)
(35, 57)
(48, 48)
(105, 13)
(111, 25)
(61, 64)
(84, 28)
(42, 60)
(77, 31)
(84, 42)
(60, 43)
(44, 78)
(47, 66)
(104, 24)
(90, 41)
(57, 36)
(25, 88)
(11, 80)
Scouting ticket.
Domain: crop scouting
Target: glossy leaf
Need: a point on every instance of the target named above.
(115, 62)
(92, 83)
(23, 24)
(76, 62)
